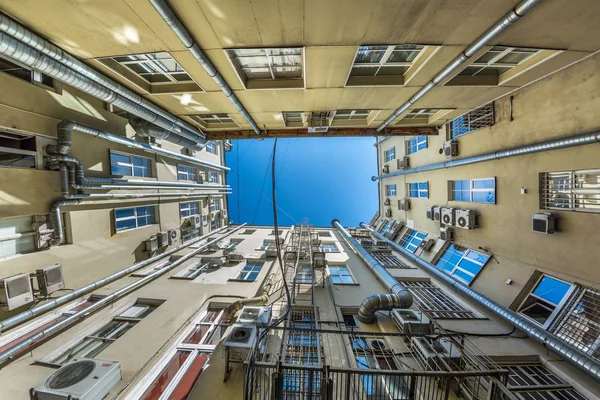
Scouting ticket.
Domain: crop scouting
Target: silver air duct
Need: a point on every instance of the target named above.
(563, 143)
(510, 18)
(400, 297)
(146, 129)
(181, 32)
(23, 54)
(12, 28)
(550, 341)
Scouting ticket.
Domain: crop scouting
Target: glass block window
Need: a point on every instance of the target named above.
(385, 60)
(129, 165)
(474, 190)
(268, 64)
(418, 189)
(415, 144)
(462, 263)
(131, 218)
(412, 239)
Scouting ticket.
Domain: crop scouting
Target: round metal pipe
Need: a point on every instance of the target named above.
(148, 187)
(142, 182)
(550, 341)
(103, 196)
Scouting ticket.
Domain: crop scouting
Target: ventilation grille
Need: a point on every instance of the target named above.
(71, 374)
(54, 275)
(18, 286)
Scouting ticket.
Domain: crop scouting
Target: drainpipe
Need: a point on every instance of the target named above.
(181, 32)
(381, 141)
(550, 341)
(80, 315)
(150, 186)
(137, 182)
(21, 53)
(563, 143)
(56, 220)
(400, 297)
(499, 27)
(59, 301)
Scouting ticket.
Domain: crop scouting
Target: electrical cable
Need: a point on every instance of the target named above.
(508, 334)
(262, 187)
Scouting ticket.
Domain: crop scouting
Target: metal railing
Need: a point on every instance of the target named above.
(479, 118)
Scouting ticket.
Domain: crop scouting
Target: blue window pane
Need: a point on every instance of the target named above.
(465, 277)
(463, 196)
(421, 235)
(118, 158)
(551, 289)
(120, 170)
(484, 197)
(470, 266)
(484, 184)
(140, 162)
(125, 224)
(482, 258)
(124, 213)
(422, 185)
(347, 279)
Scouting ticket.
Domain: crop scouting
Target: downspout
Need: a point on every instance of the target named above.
(181, 32)
(23, 54)
(563, 143)
(377, 143)
(28, 343)
(59, 301)
(55, 219)
(550, 341)
(499, 27)
(399, 297)
(138, 182)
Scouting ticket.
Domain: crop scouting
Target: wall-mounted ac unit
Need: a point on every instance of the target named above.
(387, 202)
(429, 212)
(214, 246)
(205, 219)
(385, 169)
(240, 341)
(217, 262)
(447, 216)
(224, 213)
(366, 243)
(544, 223)
(411, 321)
(196, 221)
(252, 315)
(447, 234)
(427, 245)
(81, 379)
(151, 245)
(201, 177)
(435, 354)
(50, 279)
(404, 163)
(318, 122)
(404, 204)
(451, 148)
(186, 151)
(388, 213)
(162, 239)
(173, 236)
(235, 257)
(437, 213)
(466, 219)
(15, 291)
(271, 251)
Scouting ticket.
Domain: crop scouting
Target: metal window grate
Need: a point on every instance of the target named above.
(389, 260)
(534, 381)
(571, 190)
(436, 302)
(479, 118)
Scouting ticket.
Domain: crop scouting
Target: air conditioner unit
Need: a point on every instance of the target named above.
(450, 148)
(427, 245)
(388, 213)
(205, 219)
(240, 341)
(404, 204)
(81, 379)
(202, 177)
(271, 251)
(252, 315)
(151, 244)
(235, 257)
(544, 223)
(387, 202)
(217, 262)
(186, 151)
(196, 221)
(429, 212)
(162, 239)
(385, 169)
(50, 279)
(411, 322)
(447, 216)
(318, 122)
(466, 219)
(404, 163)
(366, 243)
(437, 213)
(435, 354)
(376, 344)
(224, 214)
(173, 236)
(447, 234)
(15, 291)
(214, 246)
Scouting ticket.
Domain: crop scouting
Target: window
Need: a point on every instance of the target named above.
(356, 115)
(324, 234)
(26, 74)
(128, 165)
(390, 190)
(388, 260)
(213, 120)
(340, 275)
(94, 344)
(411, 240)
(232, 244)
(436, 302)
(185, 173)
(350, 321)
(461, 262)
(543, 302)
(292, 118)
(248, 231)
(421, 113)
(131, 218)
(249, 272)
(281, 64)
(213, 177)
(534, 381)
(415, 144)
(194, 271)
(266, 243)
(390, 154)
(215, 205)
(571, 190)
(479, 118)
(474, 190)
(13, 226)
(418, 189)
(17, 151)
(498, 60)
(211, 147)
(330, 248)
(384, 60)
(187, 209)
(215, 223)
(153, 68)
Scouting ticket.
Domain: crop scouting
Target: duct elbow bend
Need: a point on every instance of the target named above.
(377, 302)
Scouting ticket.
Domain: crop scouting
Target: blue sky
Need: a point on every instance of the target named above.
(318, 178)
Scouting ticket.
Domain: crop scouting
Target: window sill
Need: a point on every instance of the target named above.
(347, 284)
(142, 178)
(134, 229)
(240, 280)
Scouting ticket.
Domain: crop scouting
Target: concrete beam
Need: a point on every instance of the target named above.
(332, 132)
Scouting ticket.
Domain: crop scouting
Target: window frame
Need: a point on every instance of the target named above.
(452, 190)
(339, 267)
(412, 238)
(135, 217)
(212, 147)
(248, 268)
(493, 63)
(131, 160)
(36, 78)
(416, 144)
(425, 293)
(386, 154)
(213, 177)
(188, 203)
(464, 252)
(335, 250)
(558, 307)
(214, 206)
(464, 124)
(187, 171)
(383, 61)
(421, 193)
(390, 190)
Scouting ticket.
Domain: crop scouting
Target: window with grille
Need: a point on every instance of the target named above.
(129, 165)
(389, 260)
(372, 61)
(131, 218)
(479, 118)
(462, 263)
(390, 190)
(534, 381)
(571, 190)
(474, 190)
(412, 239)
(415, 144)
(185, 173)
(187, 209)
(418, 189)
(390, 154)
(436, 302)
(498, 60)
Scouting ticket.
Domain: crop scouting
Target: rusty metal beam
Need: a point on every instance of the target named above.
(332, 132)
